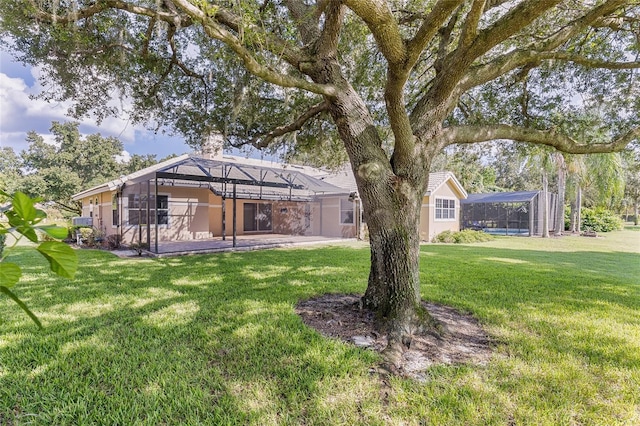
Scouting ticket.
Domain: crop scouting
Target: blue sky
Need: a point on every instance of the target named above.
(19, 114)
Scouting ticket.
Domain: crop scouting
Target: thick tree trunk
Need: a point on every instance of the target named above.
(393, 290)
(394, 283)
(391, 195)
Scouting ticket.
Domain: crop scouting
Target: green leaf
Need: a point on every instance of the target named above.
(62, 259)
(59, 232)
(23, 206)
(28, 232)
(20, 303)
(10, 274)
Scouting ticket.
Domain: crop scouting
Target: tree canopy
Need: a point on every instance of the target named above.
(55, 170)
(396, 81)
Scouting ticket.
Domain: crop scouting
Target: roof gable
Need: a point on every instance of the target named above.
(438, 179)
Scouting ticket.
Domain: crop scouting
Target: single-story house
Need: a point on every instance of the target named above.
(508, 213)
(212, 196)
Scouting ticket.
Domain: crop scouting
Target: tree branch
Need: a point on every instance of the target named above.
(473, 134)
(305, 19)
(517, 18)
(272, 44)
(264, 140)
(215, 30)
(588, 62)
(543, 50)
(429, 28)
(384, 27)
(470, 27)
(327, 44)
(103, 5)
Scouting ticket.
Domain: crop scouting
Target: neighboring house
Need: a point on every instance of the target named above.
(508, 213)
(441, 205)
(210, 196)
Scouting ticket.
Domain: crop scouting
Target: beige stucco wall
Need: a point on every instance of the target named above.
(429, 225)
(330, 225)
(99, 208)
(196, 213)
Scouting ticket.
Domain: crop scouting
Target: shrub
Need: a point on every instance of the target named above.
(112, 242)
(443, 237)
(3, 239)
(462, 237)
(600, 220)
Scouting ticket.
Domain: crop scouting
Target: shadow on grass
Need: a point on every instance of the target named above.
(209, 339)
(214, 338)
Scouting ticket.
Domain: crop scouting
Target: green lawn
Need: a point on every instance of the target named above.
(213, 339)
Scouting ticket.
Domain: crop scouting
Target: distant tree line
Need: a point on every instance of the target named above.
(54, 171)
(599, 181)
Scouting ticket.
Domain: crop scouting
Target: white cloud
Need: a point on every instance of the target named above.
(124, 157)
(21, 113)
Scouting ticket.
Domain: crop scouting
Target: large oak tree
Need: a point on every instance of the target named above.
(396, 81)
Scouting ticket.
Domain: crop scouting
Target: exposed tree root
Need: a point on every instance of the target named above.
(457, 338)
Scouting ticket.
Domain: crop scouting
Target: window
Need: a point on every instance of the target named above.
(257, 217)
(346, 212)
(445, 209)
(137, 205)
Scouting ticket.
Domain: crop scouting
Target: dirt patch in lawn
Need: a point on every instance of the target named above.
(463, 340)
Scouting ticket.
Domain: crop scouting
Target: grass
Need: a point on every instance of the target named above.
(213, 339)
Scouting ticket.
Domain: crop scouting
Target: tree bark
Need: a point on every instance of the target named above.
(393, 290)
(391, 205)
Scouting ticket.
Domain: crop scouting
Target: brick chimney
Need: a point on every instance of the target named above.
(212, 146)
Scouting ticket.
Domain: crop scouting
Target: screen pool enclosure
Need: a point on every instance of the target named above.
(508, 213)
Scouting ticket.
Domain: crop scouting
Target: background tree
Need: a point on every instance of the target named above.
(632, 182)
(10, 170)
(472, 165)
(57, 171)
(397, 81)
(138, 162)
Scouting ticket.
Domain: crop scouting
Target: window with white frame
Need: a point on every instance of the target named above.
(137, 206)
(346, 212)
(445, 209)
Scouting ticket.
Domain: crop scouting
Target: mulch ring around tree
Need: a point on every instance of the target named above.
(463, 340)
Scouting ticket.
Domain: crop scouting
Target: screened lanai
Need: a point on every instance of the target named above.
(507, 213)
(197, 199)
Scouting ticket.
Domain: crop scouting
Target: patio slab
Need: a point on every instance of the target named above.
(243, 243)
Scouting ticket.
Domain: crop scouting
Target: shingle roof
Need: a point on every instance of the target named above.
(344, 178)
(304, 181)
(282, 180)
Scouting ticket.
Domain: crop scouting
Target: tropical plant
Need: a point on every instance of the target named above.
(600, 219)
(24, 221)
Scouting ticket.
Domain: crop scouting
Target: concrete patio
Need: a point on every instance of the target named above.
(243, 243)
